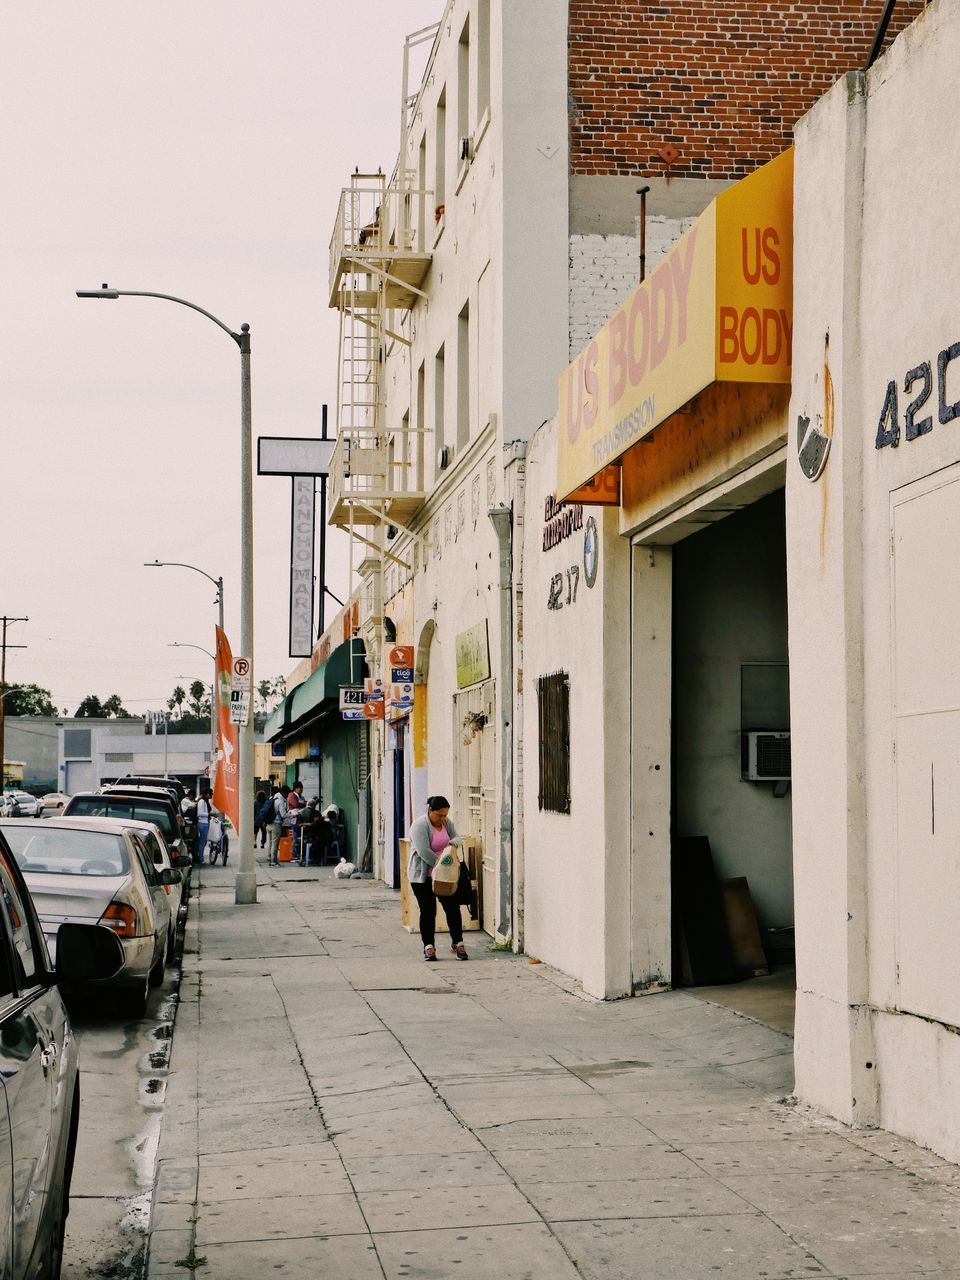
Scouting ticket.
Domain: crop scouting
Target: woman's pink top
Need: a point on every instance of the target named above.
(438, 838)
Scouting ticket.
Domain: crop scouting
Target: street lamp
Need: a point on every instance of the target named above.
(246, 880)
(178, 564)
(177, 644)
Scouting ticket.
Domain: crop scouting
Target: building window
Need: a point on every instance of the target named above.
(553, 709)
(483, 59)
(439, 393)
(463, 377)
(440, 154)
(76, 743)
(463, 87)
(417, 479)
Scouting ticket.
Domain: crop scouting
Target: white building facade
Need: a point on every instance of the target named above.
(874, 601)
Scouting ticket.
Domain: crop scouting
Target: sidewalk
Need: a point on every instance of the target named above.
(336, 1108)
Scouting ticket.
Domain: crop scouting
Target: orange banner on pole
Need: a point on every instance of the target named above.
(226, 786)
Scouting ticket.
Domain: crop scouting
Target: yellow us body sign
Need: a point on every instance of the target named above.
(718, 307)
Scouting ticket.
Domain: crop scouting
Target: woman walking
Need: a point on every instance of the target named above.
(429, 836)
(205, 812)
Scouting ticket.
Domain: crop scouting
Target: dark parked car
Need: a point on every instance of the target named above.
(39, 1075)
(158, 807)
(145, 780)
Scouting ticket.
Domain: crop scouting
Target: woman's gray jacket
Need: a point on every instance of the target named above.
(422, 857)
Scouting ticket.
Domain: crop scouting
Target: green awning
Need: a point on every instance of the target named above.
(320, 692)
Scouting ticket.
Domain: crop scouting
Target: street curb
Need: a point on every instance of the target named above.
(171, 1234)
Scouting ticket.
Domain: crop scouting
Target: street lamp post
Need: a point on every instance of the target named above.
(246, 879)
(178, 564)
(218, 583)
(177, 644)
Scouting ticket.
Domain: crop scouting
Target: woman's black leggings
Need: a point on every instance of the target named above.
(428, 914)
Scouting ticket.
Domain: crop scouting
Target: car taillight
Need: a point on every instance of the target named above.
(121, 918)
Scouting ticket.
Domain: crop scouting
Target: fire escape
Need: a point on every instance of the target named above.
(378, 263)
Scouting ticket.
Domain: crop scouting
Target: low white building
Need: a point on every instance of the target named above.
(94, 754)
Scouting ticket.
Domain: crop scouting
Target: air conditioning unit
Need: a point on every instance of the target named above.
(766, 756)
(465, 147)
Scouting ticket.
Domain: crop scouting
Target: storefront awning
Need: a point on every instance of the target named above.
(320, 692)
(718, 308)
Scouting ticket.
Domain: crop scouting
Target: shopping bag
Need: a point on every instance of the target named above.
(446, 874)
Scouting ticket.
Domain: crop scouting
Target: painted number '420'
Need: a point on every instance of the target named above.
(918, 384)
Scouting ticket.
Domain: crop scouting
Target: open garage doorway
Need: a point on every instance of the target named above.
(732, 858)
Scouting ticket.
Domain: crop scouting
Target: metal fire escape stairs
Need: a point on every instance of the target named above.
(379, 261)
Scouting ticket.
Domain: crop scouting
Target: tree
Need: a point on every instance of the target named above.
(27, 700)
(91, 707)
(179, 698)
(199, 705)
(114, 707)
(267, 690)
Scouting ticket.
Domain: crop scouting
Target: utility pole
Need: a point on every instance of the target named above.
(5, 621)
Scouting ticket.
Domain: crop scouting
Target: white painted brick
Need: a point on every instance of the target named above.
(604, 270)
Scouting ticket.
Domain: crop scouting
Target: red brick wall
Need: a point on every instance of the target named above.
(721, 81)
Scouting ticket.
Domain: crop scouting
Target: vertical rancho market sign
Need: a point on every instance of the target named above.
(718, 308)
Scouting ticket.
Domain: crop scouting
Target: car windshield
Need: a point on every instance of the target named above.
(139, 809)
(60, 852)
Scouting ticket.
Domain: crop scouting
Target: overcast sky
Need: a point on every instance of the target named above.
(196, 148)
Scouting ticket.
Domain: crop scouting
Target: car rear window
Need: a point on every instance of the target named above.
(140, 810)
(57, 851)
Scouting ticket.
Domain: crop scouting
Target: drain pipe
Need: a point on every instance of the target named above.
(501, 518)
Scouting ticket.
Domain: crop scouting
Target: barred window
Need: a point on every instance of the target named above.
(553, 707)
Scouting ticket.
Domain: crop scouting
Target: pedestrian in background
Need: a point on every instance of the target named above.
(429, 835)
(205, 812)
(275, 825)
(259, 826)
(188, 808)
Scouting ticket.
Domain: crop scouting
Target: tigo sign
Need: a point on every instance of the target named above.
(717, 308)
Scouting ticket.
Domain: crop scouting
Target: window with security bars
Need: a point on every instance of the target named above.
(553, 709)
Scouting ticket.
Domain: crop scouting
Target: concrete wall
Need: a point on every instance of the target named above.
(872, 596)
(577, 866)
(33, 739)
(730, 607)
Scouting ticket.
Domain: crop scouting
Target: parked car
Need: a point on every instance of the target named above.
(51, 803)
(162, 859)
(145, 780)
(39, 1073)
(158, 807)
(21, 804)
(91, 872)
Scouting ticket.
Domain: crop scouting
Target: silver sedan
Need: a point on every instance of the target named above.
(87, 871)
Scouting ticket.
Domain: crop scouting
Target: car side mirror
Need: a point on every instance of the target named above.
(170, 875)
(184, 860)
(87, 953)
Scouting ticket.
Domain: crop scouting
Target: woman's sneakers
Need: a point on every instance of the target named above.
(429, 953)
(460, 951)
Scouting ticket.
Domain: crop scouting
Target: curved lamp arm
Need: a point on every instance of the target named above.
(106, 292)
